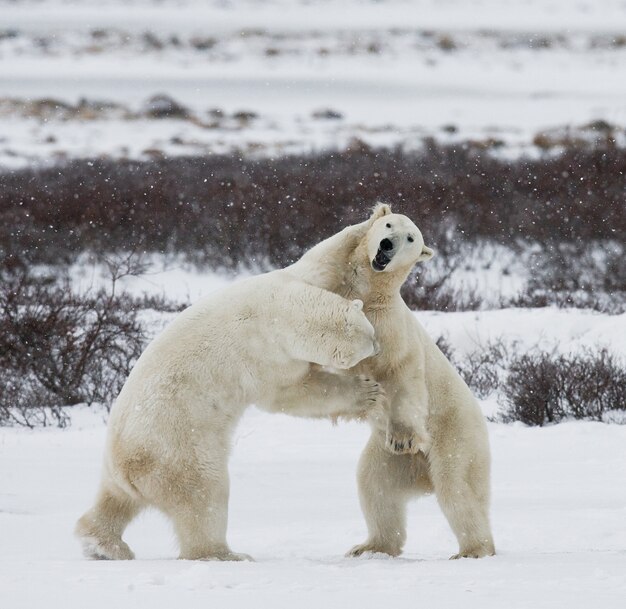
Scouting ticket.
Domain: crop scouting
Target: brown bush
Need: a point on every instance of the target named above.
(58, 348)
(545, 388)
(567, 276)
(225, 210)
(228, 211)
(539, 388)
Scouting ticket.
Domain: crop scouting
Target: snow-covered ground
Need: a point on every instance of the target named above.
(559, 506)
(391, 71)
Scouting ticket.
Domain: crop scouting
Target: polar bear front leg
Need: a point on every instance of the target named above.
(327, 395)
(406, 428)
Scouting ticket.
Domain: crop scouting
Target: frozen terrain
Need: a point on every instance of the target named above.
(291, 75)
(559, 505)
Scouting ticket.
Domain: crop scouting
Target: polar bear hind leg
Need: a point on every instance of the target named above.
(386, 483)
(200, 514)
(100, 529)
(464, 499)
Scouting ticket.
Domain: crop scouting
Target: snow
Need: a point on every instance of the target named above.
(515, 69)
(559, 505)
(548, 329)
(165, 276)
(218, 16)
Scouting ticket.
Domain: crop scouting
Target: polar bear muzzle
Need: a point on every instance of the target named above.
(383, 255)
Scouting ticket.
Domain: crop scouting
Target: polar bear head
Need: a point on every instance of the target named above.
(393, 242)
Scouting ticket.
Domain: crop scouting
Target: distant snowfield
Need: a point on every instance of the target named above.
(216, 16)
(395, 71)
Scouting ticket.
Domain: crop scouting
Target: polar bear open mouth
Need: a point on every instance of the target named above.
(381, 260)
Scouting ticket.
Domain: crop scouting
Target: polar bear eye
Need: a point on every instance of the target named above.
(410, 239)
(388, 225)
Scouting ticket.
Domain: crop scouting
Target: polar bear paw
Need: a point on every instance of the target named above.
(97, 549)
(373, 548)
(371, 399)
(404, 440)
(475, 552)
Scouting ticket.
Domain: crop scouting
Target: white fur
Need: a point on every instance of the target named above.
(170, 429)
(435, 438)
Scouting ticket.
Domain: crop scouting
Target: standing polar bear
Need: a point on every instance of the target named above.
(435, 438)
(170, 429)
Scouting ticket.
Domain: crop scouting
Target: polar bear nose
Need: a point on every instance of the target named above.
(386, 245)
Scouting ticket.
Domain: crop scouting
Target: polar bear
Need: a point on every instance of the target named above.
(262, 340)
(435, 438)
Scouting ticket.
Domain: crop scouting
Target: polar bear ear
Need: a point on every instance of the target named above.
(357, 304)
(380, 210)
(426, 254)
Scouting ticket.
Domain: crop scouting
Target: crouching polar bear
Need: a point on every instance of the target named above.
(434, 438)
(170, 429)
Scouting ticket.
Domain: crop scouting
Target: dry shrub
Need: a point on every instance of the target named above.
(539, 388)
(59, 348)
(430, 291)
(445, 347)
(484, 369)
(577, 276)
(232, 211)
(432, 286)
(227, 210)
(545, 388)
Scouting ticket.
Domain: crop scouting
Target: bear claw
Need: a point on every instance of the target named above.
(369, 392)
(403, 440)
